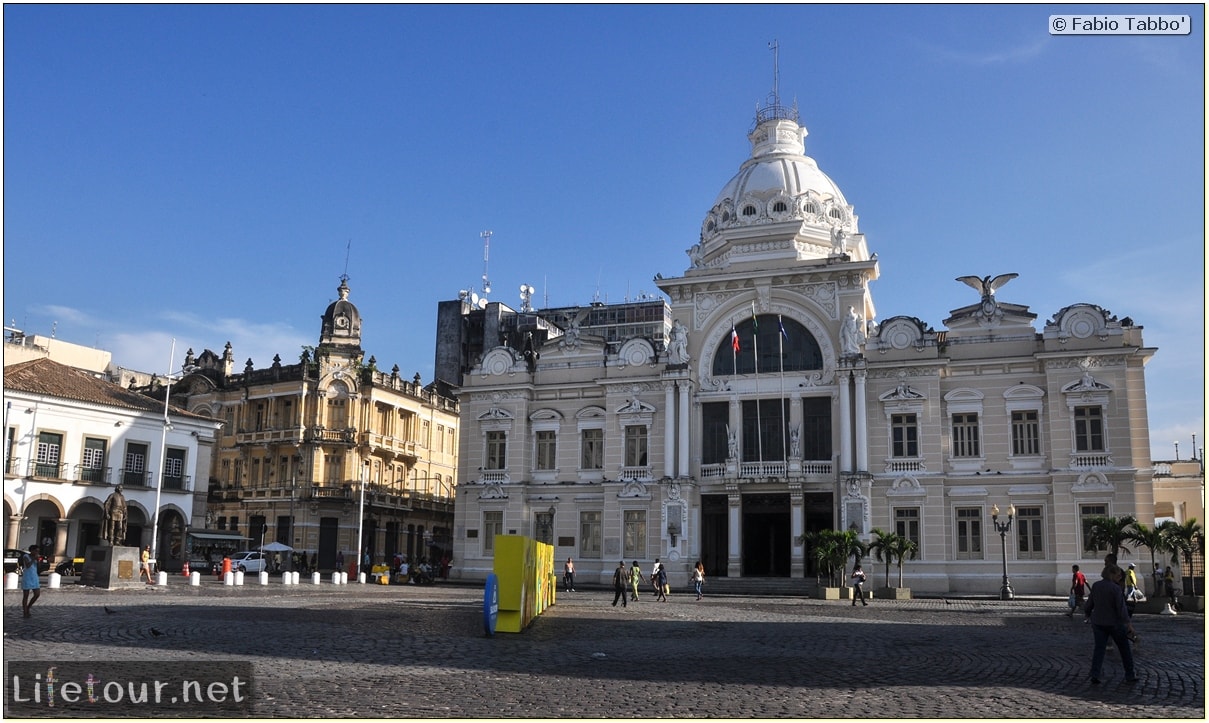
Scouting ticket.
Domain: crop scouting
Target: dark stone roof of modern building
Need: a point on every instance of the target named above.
(43, 376)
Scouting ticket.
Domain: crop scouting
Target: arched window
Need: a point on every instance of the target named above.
(779, 207)
(795, 350)
(749, 210)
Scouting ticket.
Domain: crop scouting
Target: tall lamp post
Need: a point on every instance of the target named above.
(155, 524)
(1005, 592)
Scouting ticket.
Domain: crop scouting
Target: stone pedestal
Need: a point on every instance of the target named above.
(111, 567)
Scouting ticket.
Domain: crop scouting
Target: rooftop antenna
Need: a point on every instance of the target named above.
(776, 71)
(486, 250)
(348, 247)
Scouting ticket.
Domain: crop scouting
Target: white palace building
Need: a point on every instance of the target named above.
(760, 401)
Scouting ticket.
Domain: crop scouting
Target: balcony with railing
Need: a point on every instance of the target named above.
(92, 475)
(48, 470)
(906, 465)
(1090, 460)
(12, 466)
(392, 445)
(322, 435)
(279, 435)
(763, 469)
(178, 483)
(130, 478)
(642, 472)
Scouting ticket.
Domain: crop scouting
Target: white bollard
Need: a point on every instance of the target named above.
(287, 578)
(54, 580)
(161, 578)
(238, 577)
(335, 578)
(1168, 610)
(195, 579)
(316, 578)
(294, 577)
(344, 578)
(10, 581)
(264, 577)
(228, 578)
(361, 578)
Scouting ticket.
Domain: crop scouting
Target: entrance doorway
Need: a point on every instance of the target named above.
(766, 535)
(329, 529)
(714, 531)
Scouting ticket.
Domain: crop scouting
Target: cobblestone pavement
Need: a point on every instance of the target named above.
(403, 651)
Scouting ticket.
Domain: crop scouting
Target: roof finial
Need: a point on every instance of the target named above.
(347, 250)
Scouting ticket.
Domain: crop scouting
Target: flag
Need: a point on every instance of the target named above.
(782, 327)
(734, 338)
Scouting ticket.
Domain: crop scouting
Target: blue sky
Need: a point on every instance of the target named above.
(201, 172)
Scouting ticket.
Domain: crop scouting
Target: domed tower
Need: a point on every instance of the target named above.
(779, 207)
(341, 331)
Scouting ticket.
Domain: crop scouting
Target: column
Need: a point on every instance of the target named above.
(797, 516)
(14, 531)
(845, 422)
(862, 424)
(685, 428)
(60, 551)
(734, 521)
(669, 429)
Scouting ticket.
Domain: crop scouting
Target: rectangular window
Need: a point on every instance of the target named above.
(1029, 533)
(904, 435)
(493, 524)
(589, 535)
(1026, 433)
(592, 449)
(1089, 429)
(92, 466)
(50, 446)
(635, 446)
(965, 435)
(1087, 513)
(634, 534)
(174, 469)
(906, 524)
(969, 533)
(333, 468)
(441, 438)
(546, 447)
(544, 522)
(497, 449)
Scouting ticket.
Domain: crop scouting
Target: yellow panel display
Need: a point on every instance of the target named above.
(525, 568)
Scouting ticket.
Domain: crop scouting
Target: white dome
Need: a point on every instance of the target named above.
(779, 183)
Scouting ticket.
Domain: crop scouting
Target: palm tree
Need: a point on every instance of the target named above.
(880, 547)
(1109, 533)
(825, 546)
(902, 548)
(1185, 540)
(848, 544)
(1154, 538)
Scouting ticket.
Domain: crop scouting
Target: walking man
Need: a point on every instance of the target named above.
(1109, 619)
(1078, 588)
(569, 576)
(620, 578)
(858, 584)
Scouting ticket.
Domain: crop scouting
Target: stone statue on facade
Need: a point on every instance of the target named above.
(852, 334)
(732, 443)
(677, 350)
(795, 443)
(113, 524)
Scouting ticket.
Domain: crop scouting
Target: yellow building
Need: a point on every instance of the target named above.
(305, 445)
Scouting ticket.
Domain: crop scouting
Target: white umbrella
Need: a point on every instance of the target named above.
(276, 547)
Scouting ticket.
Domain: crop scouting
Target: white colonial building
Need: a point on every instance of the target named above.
(72, 437)
(767, 403)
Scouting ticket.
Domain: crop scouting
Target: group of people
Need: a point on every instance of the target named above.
(626, 581)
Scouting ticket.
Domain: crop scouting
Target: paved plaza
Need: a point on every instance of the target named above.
(403, 651)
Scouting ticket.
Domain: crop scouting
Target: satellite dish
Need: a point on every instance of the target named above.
(474, 299)
(482, 303)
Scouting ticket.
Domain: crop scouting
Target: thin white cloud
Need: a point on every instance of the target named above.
(1021, 53)
(66, 315)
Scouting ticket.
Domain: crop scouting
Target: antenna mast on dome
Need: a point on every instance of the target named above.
(776, 71)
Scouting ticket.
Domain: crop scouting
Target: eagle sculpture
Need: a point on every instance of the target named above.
(986, 285)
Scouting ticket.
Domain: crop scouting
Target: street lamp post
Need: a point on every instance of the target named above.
(1005, 592)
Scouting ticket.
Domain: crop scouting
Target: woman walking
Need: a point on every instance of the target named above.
(29, 579)
(698, 578)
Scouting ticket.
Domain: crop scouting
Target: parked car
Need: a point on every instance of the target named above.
(250, 561)
(12, 558)
(71, 567)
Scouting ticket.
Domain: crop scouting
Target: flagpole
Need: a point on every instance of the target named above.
(755, 355)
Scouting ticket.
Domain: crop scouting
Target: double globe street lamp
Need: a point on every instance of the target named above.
(1005, 592)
